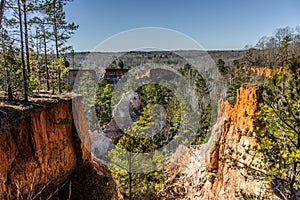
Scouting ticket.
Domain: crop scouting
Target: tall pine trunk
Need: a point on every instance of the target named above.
(2, 6)
(46, 58)
(9, 90)
(22, 53)
(26, 36)
(55, 30)
(57, 57)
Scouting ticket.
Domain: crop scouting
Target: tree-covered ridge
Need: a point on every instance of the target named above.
(276, 50)
(272, 53)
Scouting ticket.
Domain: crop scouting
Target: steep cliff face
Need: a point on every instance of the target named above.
(206, 172)
(40, 148)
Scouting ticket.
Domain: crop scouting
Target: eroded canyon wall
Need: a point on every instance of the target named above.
(205, 171)
(41, 150)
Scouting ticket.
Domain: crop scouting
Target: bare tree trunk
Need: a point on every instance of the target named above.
(130, 185)
(2, 6)
(130, 172)
(9, 90)
(38, 58)
(46, 59)
(22, 53)
(55, 29)
(73, 59)
(57, 57)
(26, 36)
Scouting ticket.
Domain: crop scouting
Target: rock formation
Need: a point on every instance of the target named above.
(128, 109)
(202, 172)
(42, 152)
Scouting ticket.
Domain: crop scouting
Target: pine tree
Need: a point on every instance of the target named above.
(136, 140)
(103, 102)
(279, 137)
(61, 29)
(9, 66)
(43, 36)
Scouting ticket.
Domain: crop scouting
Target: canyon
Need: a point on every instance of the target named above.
(41, 150)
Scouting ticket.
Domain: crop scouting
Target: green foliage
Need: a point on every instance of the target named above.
(10, 67)
(295, 65)
(121, 64)
(54, 66)
(86, 86)
(137, 140)
(33, 83)
(232, 89)
(103, 102)
(45, 23)
(277, 133)
(158, 125)
(204, 111)
(240, 77)
(222, 68)
(279, 137)
(202, 135)
(164, 117)
(236, 64)
(156, 100)
(61, 30)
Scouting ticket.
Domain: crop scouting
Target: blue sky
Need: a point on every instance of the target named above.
(215, 24)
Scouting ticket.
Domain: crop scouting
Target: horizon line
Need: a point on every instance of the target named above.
(149, 50)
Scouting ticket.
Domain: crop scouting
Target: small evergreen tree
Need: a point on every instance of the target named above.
(103, 102)
(62, 30)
